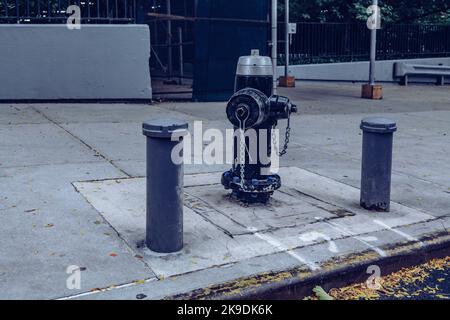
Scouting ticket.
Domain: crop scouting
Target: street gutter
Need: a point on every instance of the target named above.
(298, 283)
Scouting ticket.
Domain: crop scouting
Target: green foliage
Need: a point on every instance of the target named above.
(396, 11)
(321, 294)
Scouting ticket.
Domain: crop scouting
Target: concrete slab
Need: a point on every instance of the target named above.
(420, 124)
(342, 132)
(407, 189)
(100, 112)
(137, 168)
(19, 114)
(122, 141)
(209, 111)
(220, 231)
(345, 98)
(284, 210)
(343, 257)
(116, 141)
(440, 116)
(424, 158)
(37, 144)
(205, 278)
(122, 203)
(413, 143)
(47, 226)
(347, 197)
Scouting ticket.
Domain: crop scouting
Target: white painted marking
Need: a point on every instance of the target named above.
(360, 239)
(126, 285)
(400, 233)
(369, 238)
(314, 235)
(277, 244)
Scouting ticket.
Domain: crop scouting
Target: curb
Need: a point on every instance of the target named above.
(295, 284)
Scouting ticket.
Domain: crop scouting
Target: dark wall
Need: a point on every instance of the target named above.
(219, 44)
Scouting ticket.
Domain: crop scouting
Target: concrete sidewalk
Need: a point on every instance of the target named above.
(71, 193)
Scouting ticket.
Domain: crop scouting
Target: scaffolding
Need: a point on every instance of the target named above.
(172, 39)
(172, 29)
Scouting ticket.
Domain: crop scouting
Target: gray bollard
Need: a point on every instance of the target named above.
(164, 186)
(376, 163)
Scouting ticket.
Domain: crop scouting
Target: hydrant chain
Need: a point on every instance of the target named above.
(287, 137)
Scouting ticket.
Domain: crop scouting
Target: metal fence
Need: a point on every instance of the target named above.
(54, 11)
(313, 43)
(343, 42)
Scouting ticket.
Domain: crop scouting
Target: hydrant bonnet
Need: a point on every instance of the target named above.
(254, 65)
(255, 72)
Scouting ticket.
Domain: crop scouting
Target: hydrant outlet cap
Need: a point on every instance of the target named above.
(378, 125)
(164, 128)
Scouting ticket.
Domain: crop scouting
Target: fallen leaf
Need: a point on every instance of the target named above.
(321, 294)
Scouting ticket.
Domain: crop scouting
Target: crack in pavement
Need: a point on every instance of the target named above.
(97, 152)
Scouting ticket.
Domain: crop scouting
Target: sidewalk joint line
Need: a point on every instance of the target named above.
(81, 141)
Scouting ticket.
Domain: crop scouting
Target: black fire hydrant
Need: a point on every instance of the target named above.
(254, 116)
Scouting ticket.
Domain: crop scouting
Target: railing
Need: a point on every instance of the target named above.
(342, 42)
(54, 11)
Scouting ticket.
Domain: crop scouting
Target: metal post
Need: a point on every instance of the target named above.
(164, 226)
(373, 46)
(169, 39)
(274, 43)
(180, 51)
(376, 166)
(286, 45)
(156, 32)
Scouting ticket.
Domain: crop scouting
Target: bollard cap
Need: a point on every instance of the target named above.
(164, 128)
(378, 125)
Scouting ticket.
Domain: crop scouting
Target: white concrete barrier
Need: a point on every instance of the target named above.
(357, 71)
(51, 62)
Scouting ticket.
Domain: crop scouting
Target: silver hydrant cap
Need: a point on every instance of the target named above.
(254, 65)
